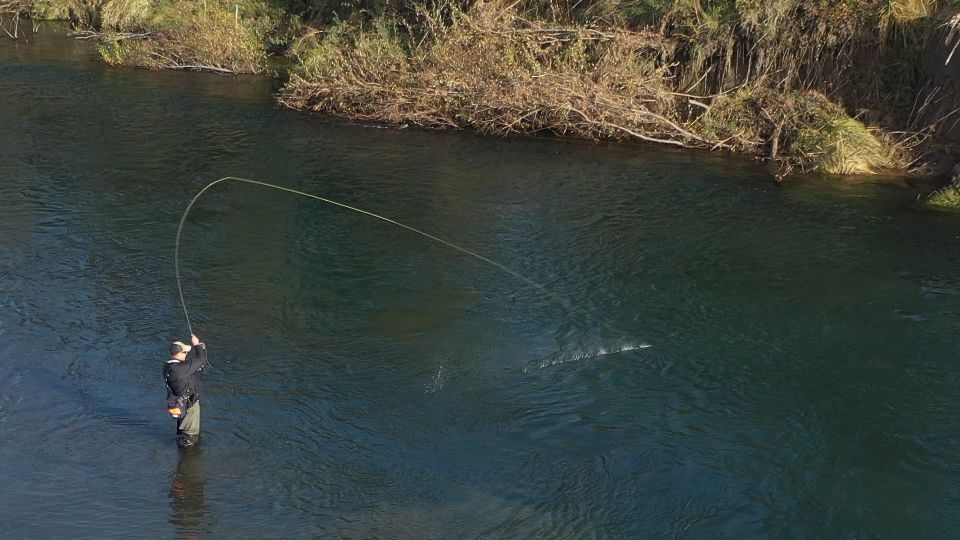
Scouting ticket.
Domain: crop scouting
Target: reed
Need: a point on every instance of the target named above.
(10, 14)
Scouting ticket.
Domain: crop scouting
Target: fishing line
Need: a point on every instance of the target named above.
(176, 250)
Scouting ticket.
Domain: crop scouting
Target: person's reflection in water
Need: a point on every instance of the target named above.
(188, 509)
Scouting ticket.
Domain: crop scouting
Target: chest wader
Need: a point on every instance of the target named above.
(188, 426)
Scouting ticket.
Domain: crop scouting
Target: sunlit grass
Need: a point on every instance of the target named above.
(948, 197)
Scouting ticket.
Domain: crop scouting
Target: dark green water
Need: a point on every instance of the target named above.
(801, 380)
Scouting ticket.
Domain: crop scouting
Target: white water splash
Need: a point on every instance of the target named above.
(561, 357)
(435, 384)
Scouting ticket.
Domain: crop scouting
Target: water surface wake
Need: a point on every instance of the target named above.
(566, 357)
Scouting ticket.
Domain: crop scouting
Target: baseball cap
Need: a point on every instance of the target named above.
(179, 347)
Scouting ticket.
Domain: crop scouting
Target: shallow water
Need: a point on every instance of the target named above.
(741, 360)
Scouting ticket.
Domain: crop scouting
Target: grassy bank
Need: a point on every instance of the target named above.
(666, 73)
(489, 69)
(816, 85)
(207, 35)
(203, 35)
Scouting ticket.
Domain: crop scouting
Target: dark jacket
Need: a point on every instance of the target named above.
(181, 377)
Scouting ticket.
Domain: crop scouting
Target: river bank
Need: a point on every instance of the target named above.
(852, 87)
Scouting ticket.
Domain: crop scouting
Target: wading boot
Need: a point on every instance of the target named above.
(185, 441)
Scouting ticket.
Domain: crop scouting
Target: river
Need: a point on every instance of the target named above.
(724, 357)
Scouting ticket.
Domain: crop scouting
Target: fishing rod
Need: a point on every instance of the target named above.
(183, 218)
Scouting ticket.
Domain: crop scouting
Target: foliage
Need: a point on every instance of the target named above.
(206, 35)
(812, 132)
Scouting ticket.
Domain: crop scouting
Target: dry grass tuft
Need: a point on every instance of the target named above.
(124, 14)
(949, 196)
(803, 129)
(204, 36)
(902, 11)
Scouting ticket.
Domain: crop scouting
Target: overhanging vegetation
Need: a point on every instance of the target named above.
(817, 85)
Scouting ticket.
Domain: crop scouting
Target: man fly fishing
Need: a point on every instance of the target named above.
(183, 391)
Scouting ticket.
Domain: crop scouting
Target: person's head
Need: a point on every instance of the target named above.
(179, 350)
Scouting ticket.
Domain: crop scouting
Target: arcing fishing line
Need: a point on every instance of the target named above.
(176, 251)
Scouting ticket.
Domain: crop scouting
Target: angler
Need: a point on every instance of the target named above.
(183, 390)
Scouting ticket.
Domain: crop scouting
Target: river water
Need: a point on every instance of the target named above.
(729, 358)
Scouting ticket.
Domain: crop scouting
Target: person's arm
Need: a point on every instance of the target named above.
(199, 354)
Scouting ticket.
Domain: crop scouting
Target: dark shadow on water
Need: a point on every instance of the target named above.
(188, 510)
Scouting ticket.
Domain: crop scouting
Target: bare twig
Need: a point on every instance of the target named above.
(711, 96)
(646, 138)
(175, 64)
(701, 104)
(954, 25)
(108, 36)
